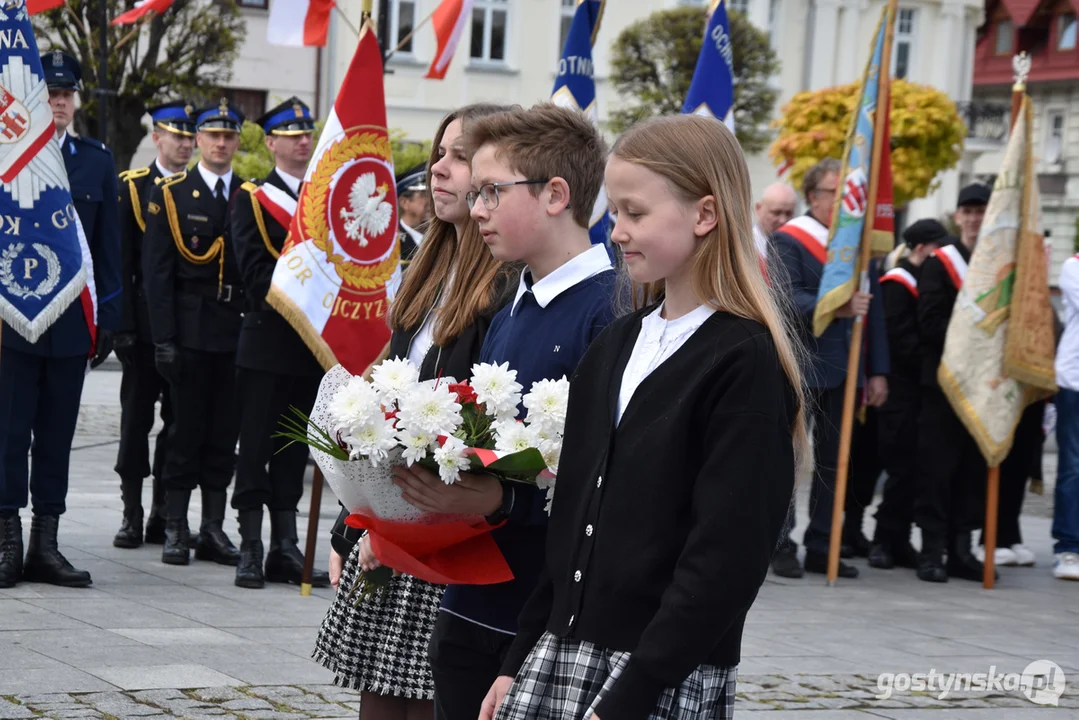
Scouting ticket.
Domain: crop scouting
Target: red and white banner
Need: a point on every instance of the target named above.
(342, 250)
(277, 202)
(142, 7)
(34, 7)
(297, 23)
(449, 19)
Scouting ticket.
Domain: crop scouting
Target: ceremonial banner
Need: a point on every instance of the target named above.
(973, 372)
(299, 23)
(711, 93)
(41, 263)
(842, 271)
(575, 88)
(342, 250)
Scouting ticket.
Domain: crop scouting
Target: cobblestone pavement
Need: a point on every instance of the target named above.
(155, 641)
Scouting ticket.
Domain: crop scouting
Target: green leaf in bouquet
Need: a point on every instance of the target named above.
(297, 427)
(369, 582)
(522, 466)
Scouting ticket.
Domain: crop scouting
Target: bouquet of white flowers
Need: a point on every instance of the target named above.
(359, 429)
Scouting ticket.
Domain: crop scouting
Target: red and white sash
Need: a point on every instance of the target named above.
(953, 262)
(810, 234)
(277, 202)
(903, 277)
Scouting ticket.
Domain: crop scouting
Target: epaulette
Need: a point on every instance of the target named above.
(134, 174)
(96, 144)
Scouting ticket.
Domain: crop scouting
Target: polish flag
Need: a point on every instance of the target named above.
(449, 19)
(297, 23)
(277, 202)
(142, 7)
(39, 6)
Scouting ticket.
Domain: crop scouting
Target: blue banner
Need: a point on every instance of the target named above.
(711, 93)
(575, 88)
(840, 278)
(41, 261)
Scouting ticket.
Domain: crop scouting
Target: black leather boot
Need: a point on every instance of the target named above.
(130, 533)
(213, 544)
(10, 550)
(961, 561)
(175, 550)
(249, 571)
(155, 524)
(44, 563)
(931, 560)
(881, 556)
(284, 562)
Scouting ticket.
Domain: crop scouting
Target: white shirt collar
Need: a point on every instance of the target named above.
(210, 178)
(290, 180)
(591, 262)
(687, 324)
(62, 139)
(165, 172)
(417, 236)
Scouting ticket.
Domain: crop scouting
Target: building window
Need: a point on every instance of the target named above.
(1005, 31)
(402, 21)
(569, 7)
(489, 30)
(741, 6)
(255, 4)
(1054, 137)
(903, 51)
(252, 103)
(1066, 28)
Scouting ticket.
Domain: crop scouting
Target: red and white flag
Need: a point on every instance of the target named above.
(297, 23)
(142, 8)
(34, 7)
(342, 250)
(277, 202)
(449, 20)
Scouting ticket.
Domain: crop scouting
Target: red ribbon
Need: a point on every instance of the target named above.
(452, 553)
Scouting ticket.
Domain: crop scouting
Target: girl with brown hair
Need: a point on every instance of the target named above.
(684, 425)
(450, 293)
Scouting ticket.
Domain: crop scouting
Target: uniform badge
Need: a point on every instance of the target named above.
(194, 193)
(154, 208)
(223, 108)
(195, 242)
(57, 58)
(298, 109)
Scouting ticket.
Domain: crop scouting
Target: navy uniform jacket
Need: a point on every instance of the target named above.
(408, 245)
(92, 176)
(937, 291)
(828, 354)
(899, 289)
(267, 341)
(184, 221)
(135, 186)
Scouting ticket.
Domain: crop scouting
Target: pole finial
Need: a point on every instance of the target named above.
(1021, 66)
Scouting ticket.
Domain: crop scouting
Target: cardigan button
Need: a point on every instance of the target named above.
(599, 482)
(577, 576)
(588, 531)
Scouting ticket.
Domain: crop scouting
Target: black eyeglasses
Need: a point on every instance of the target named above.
(489, 192)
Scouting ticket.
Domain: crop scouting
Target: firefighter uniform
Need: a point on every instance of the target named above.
(275, 370)
(195, 299)
(142, 386)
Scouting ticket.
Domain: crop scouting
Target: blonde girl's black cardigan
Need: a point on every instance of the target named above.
(662, 528)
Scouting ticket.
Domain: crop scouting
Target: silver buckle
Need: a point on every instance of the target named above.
(225, 294)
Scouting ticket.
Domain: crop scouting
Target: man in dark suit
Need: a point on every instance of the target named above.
(275, 369)
(195, 299)
(142, 385)
(411, 209)
(801, 247)
(41, 383)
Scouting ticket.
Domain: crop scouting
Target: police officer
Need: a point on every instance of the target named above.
(411, 209)
(951, 468)
(41, 383)
(142, 385)
(195, 300)
(898, 417)
(275, 369)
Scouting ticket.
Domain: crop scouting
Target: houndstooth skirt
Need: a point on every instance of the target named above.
(567, 679)
(380, 646)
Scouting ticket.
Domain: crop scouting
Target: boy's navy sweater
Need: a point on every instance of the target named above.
(540, 343)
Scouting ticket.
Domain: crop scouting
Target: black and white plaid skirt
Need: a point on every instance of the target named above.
(568, 678)
(381, 645)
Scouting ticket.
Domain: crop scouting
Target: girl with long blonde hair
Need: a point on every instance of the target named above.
(682, 434)
(450, 292)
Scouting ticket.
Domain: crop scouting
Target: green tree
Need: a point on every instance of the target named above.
(186, 52)
(652, 65)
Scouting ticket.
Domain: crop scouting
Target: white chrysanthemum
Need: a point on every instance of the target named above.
(416, 446)
(451, 460)
(496, 387)
(429, 411)
(355, 403)
(552, 453)
(512, 436)
(371, 440)
(546, 403)
(393, 379)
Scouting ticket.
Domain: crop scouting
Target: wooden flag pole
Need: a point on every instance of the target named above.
(1021, 66)
(312, 533)
(865, 249)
